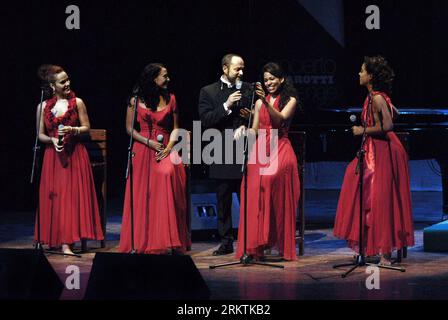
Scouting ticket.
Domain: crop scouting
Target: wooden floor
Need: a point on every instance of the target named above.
(311, 277)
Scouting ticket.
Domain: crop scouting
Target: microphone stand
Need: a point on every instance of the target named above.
(130, 174)
(38, 245)
(246, 259)
(360, 260)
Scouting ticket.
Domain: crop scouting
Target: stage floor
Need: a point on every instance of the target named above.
(311, 277)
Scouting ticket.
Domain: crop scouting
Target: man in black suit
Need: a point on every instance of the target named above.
(224, 105)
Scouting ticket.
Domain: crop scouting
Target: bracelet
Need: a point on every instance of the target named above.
(77, 131)
(147, 142)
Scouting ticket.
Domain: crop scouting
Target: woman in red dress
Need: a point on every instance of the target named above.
(386, 196)
(273, 185)
(159, 184)
(67, 199)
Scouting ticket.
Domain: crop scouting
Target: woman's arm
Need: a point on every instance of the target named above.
(256, 122)
(83, 120)
(278, 117)
(165, 152)
(40, 126)
(175, 127)
(83, 117)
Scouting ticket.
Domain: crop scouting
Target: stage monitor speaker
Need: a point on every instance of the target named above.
(120, 276)
(26, 274)
(204, 211)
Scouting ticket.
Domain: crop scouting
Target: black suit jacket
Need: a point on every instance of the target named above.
(213, 115)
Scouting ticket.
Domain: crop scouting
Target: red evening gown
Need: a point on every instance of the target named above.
(386, 197)
(160, 203)
(272, 199)
(67, 198)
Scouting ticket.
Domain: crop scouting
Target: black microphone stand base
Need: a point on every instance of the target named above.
(361, 262)
(38, 246)
(246, 260)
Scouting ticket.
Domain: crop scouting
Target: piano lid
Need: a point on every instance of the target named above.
(403, 111)
(410, 117)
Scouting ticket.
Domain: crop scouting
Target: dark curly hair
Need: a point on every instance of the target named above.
(382, 74)
(146, 88)
(286, 89)
(47, 75)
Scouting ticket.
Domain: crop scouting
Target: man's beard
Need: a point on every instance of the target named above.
(232, 80)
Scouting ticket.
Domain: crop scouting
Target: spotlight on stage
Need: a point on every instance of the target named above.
(118, 276)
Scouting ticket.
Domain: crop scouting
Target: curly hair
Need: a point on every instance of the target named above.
(47, 74)
(147, 90)
(286, 89)
(382, 74)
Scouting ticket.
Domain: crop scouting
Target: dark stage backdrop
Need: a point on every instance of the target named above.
(118, 38)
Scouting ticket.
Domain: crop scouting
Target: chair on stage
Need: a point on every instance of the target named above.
(298, 141)
(188, 183)
(96, 145)
(404, 139)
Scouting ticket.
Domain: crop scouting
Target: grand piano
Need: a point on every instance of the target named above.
(329, 137)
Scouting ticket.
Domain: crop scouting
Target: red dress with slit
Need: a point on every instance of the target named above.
(67, 198)
(387, 211)
(273, 191)
(160, 203)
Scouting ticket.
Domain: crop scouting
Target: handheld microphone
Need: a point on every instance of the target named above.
(160, 140)
(255, 84)
(353, 118)
(60, 137)
(238, 85)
